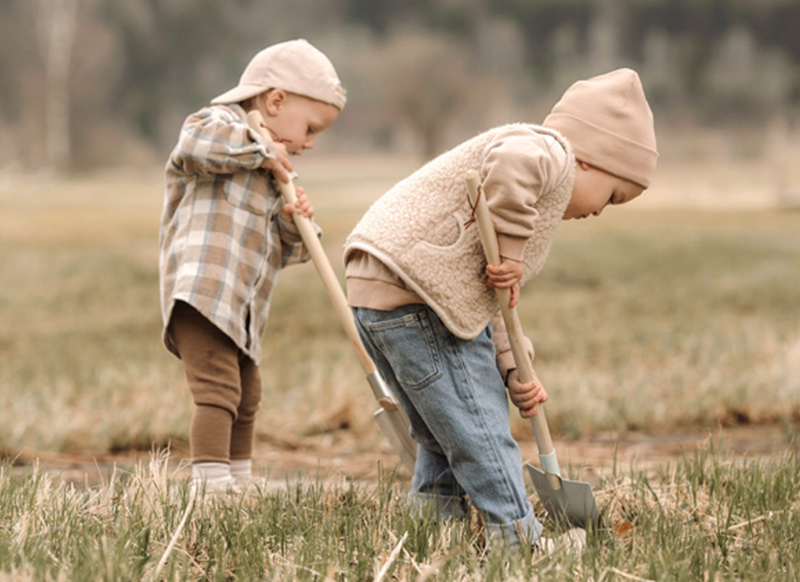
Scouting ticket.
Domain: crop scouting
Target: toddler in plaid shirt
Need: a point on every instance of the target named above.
(225, 234)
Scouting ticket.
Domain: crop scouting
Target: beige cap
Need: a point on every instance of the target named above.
(293, 66)
(609, 124)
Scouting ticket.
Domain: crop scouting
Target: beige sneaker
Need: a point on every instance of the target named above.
(572, 541)
(216, 488)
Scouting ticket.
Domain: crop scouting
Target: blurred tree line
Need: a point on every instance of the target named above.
(86, 83)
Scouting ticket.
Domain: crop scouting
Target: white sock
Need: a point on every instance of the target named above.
(212, 472)
(242, 468)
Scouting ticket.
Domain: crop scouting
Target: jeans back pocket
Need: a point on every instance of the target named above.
(409, 344)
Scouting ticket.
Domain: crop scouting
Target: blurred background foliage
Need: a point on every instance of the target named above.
(93, 83)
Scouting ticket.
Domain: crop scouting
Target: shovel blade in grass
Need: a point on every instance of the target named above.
(569, 503)
(393, 422)
(395, 428)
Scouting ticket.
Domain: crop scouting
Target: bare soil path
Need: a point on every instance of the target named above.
(340, 455)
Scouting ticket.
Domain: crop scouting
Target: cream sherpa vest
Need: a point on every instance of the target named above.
(417, 229)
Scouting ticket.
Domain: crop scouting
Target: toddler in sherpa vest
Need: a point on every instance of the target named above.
(420, 289)
(225, 234)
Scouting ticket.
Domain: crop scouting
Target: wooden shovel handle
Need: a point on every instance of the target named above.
(323, 265)
(515, 334)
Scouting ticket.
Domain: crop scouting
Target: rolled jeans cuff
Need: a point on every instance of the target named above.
(516, 533)
(439, 507)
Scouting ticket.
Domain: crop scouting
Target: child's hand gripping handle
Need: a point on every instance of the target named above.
(514, 327)
(323, 265)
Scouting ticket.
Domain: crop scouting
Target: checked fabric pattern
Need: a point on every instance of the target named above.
(222, 239)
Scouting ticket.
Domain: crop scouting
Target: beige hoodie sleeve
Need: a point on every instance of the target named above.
(520, 165)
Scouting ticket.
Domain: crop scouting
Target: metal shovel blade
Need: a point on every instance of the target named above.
(573, 504)
(393, 421)
(394, 426)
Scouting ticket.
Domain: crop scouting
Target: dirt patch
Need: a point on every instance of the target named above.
(648, 451)
(342, 454)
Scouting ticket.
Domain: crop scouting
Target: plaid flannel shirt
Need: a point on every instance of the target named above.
(222, 238)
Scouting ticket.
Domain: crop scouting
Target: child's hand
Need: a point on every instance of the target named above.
(526, 397)
(280, 166)
(506, 275)
(303, 205)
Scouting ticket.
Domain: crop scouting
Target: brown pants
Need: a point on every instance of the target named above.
(225, 384)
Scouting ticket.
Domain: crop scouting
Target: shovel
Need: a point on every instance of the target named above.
(390, 417)
(569, 503)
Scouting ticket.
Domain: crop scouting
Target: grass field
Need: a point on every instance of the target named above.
(645, 317)
(650, 317)
(704, 518)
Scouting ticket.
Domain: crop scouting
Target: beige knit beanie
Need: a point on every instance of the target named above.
(609, 124)
(293, 66)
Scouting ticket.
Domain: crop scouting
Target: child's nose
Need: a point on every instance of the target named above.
(309, 143)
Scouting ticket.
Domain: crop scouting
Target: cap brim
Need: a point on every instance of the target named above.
(237, 94)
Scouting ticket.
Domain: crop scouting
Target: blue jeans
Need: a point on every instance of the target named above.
(457, 405)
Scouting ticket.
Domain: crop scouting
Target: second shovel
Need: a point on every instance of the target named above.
(569, 503)
(390, 417)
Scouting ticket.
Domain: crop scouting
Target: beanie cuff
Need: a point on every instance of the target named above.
(606, 150)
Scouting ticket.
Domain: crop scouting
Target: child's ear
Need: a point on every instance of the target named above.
(584, 166)
(274, 101)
